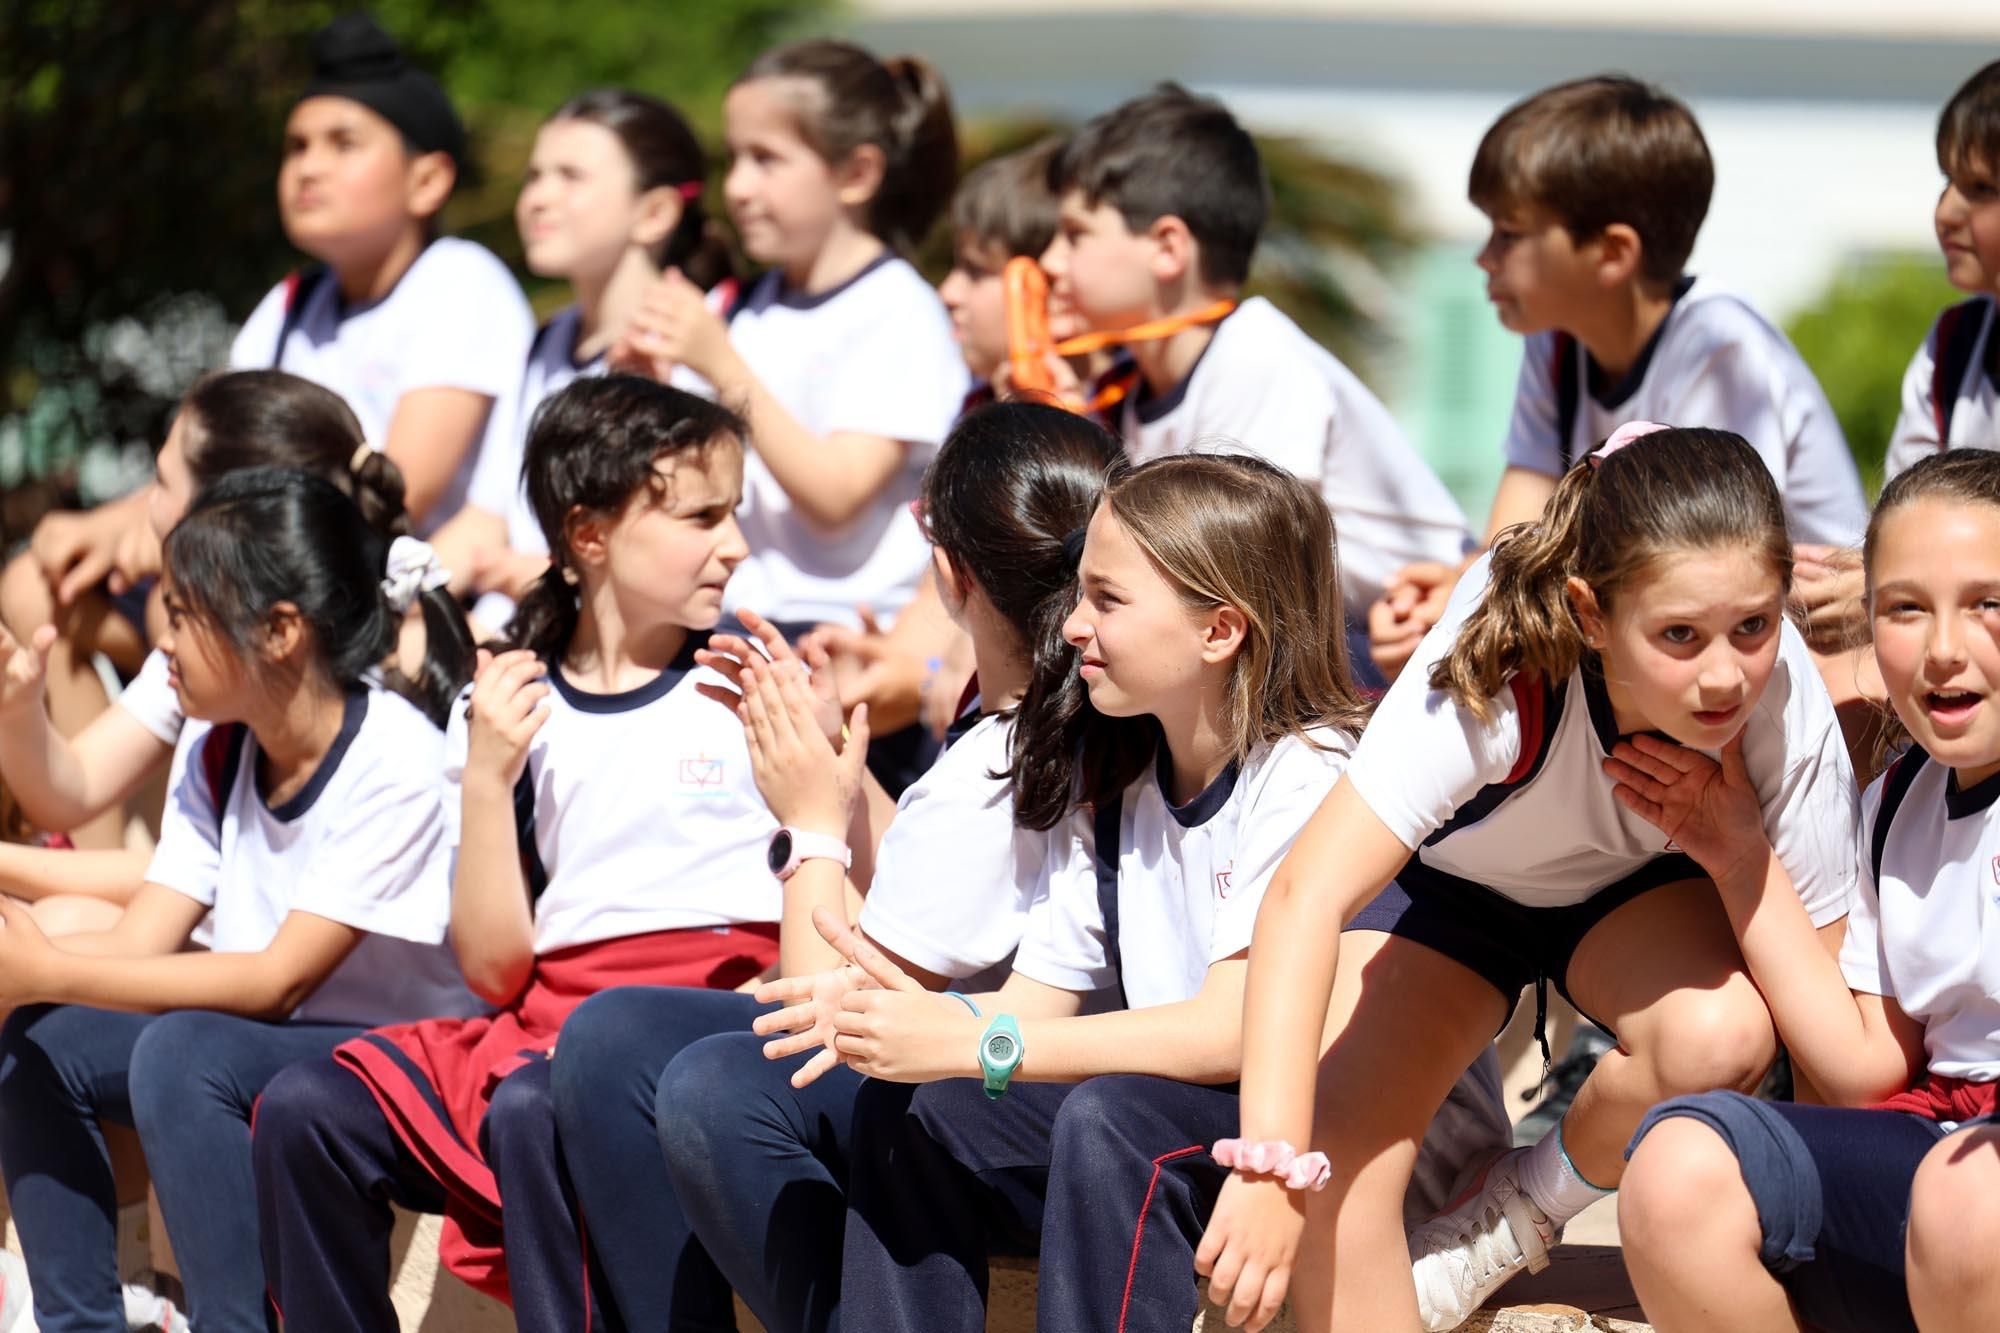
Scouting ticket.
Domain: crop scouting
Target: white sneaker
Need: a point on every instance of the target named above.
(147, 1309)
(1470, 1250)
(16, 1316)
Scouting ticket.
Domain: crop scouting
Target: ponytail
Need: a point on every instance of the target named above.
(900, 105)
(545, 618)
(1611, 520)
(1525, 622)
(264, 536)
(268, 418)
(1011, 487)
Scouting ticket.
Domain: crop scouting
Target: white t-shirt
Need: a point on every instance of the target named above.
(152, 700)
(1928, 934)
(1438, 777)
(646, 817)
(955, 878)
(455, 320)
(1975, 416)
(363, 844)
(1189, 877)
(1713, 362)
(873, 356)
(1263, 386)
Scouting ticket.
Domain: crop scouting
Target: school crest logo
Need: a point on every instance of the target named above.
(1223, 877)
(698, 774)
(1996, 870)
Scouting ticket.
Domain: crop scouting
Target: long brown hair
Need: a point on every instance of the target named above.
(1610, 521)
(1232, 529)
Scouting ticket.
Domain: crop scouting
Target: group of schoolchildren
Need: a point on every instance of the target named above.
(600, 873)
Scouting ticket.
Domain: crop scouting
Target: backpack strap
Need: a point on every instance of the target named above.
(1568, 381)
(1957, 334)
(300, 284)
(221, 756)
(1108, 825)
(532, 869)
(1895, 786)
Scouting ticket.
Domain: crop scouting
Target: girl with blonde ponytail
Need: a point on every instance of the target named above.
(1475, 847)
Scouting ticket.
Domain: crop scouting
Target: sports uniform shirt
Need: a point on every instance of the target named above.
(1189, 877)
(362, 843)
(644, 814)
(1972, 418)
(873, 356)
(455, 320)
(1263, 386)
(1926, 933)
(1522, 805)
(1713, 362)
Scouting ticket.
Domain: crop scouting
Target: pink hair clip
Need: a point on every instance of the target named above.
(1275, 1157)
(1623, 436)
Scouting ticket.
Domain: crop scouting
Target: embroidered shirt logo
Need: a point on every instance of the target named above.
(1223, 886)
(1996, 870)
(700, 772)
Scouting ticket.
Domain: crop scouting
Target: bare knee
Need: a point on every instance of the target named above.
(1955, 1214)
(1682, 1179)
(1701, 1041)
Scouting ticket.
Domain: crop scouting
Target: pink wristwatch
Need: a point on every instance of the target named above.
(790, 847)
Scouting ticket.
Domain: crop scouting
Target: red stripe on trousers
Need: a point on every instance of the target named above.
(1139, 1232)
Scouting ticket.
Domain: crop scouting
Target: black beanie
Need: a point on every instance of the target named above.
(355, 59)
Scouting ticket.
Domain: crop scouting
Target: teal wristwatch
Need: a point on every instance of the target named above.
(1000, 1052)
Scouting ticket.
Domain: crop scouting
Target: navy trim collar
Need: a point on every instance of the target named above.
(588, 701)
(1620, 393)
(1603, 720)
(1149, 408)
(771, 289)
(1975, 799)
(352, 712)
(1204, 806)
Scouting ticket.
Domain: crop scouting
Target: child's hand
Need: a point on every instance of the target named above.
(1249, 1248)
(726, 654)
(1709, 810)
(804, 781)
(806, 1020)
(871, 669)
(673, 327)
(506, 712)
(24, 670)
(137, 556)
(1829, 583)
(75, 551)
(1412, 601)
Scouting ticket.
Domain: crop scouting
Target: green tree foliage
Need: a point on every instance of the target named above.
(1858, 338)
(139, 146)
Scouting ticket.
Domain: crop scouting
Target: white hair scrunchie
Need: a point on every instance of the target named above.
(413, 571)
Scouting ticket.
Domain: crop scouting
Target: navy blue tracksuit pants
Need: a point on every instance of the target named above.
(1116, 1167)
(329, 1167)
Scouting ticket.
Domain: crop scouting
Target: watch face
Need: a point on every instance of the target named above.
(1000, 1048)
(780, 853)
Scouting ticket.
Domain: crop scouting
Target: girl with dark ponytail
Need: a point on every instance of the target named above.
(1477, 848)
(612, 198)
(840, 356)
(952, 881)
(607, 831)
(226, 423)
(305, 824)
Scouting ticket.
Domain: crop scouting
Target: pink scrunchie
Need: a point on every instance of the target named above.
(1275, 1157)
(1623, 436)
